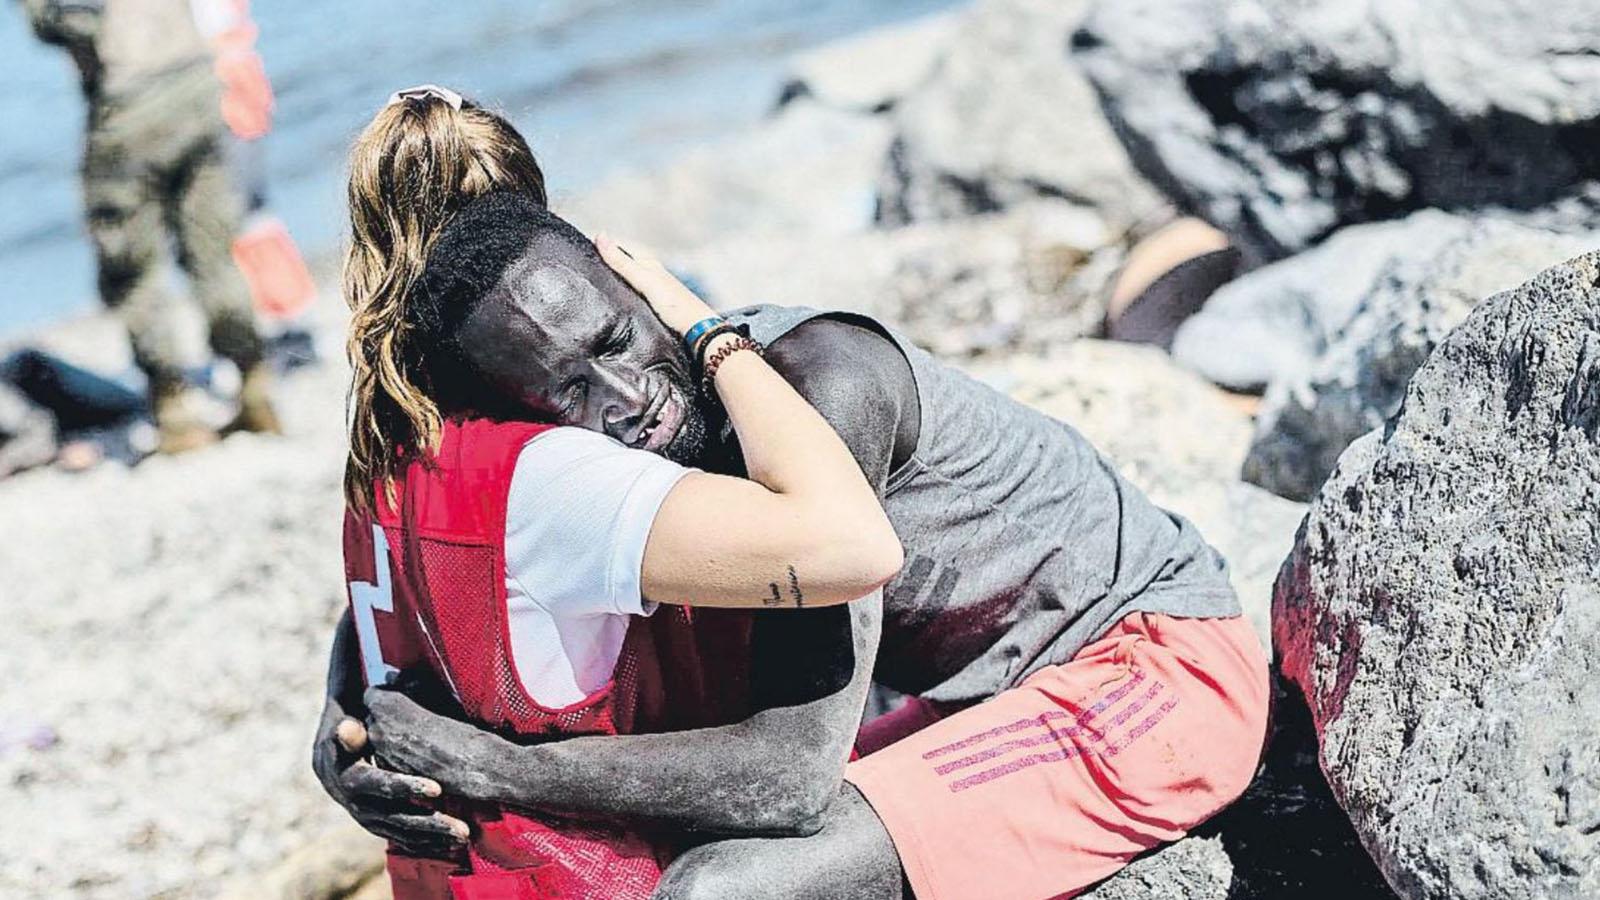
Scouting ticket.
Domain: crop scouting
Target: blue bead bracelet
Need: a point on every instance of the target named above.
(699, 329)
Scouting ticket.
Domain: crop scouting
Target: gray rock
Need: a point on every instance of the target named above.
(1357, 382)
(1030, 277)
(1272, 323)
(1005, 118)
(1282, 120)
(808, 170)
(1193, 868)
(1441, 608)
(872, 71)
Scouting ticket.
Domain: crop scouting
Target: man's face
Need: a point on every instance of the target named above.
(566, 338)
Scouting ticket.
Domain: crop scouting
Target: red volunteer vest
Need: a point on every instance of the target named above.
(426, 580)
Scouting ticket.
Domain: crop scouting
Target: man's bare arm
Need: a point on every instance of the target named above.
(774, 773)
(389, 804)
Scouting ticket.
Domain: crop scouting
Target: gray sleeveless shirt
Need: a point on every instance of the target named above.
(1022, 542)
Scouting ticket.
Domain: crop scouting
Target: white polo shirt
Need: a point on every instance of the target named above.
(578, 515)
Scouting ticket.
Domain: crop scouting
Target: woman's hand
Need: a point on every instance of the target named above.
(674, 303)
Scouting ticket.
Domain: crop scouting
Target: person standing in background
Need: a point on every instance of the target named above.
(155, 172)
(280, 283)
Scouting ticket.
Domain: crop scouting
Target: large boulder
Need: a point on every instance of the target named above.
(1441, 608)
(1272, 323)
(807, 170)
(1358, 380)
(872, 71)
(1006, 117)
(1282, 120)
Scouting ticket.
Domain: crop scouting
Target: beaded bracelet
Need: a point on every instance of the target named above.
(714, 362)
(701, 330)
(701, 345)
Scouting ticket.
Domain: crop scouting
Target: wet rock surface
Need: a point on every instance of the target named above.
(1280, 121)
(1358, 380)
(1440, 611)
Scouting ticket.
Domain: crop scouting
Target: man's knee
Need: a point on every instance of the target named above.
(704, 873)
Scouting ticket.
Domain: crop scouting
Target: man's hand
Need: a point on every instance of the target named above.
(391, 805)
(436, 750)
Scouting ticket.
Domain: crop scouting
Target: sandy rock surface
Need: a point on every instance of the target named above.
(1441, 609)
(1280, 121)
(808, 170)
(1029, 278)
(1006, 118)
(166, 642)
(871, 72)
(1357, 382)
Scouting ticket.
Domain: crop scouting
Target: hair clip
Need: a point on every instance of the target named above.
(425, 91)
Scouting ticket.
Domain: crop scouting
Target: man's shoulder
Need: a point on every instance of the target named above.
(842, 353)
(858, 378)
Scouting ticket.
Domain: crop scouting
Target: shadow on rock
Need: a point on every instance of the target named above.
(1287, 836)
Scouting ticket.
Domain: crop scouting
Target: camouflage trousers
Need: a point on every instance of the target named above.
(155, 182)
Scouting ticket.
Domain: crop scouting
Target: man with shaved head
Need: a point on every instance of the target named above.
(1083, 685)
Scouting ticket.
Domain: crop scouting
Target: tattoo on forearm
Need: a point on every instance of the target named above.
(776, 597)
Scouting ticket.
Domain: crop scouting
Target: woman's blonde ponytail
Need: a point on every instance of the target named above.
(417, 163)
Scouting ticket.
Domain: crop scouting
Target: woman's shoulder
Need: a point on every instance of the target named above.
(570, 441)
(582, 455)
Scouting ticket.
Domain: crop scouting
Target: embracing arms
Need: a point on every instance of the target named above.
(774, 773)
(805, 527)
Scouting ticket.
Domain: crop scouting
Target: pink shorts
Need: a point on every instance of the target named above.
(1061, 781)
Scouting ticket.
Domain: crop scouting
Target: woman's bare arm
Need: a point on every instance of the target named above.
(805, 528)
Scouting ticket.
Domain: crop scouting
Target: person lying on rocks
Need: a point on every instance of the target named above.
(1083, 685)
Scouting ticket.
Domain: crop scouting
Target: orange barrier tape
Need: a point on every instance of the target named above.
(280, 283)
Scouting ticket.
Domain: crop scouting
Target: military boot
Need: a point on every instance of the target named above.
(256, 412)
(181, 428)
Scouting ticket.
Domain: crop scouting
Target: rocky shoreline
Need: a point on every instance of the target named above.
(980, 178)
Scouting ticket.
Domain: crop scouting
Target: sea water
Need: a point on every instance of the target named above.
(596, 85)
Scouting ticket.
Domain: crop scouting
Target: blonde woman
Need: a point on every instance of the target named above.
(517, 561)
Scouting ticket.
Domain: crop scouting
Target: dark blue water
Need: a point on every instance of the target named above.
(596, 85)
